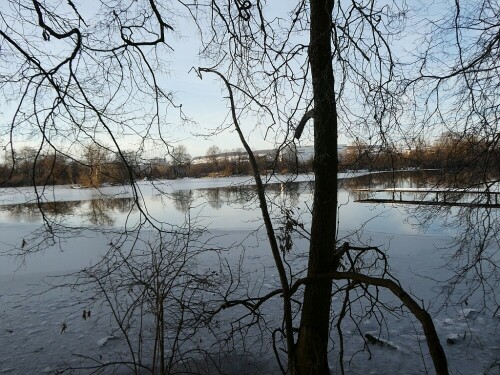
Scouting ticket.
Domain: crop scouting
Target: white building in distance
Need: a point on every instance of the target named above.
(242, 155)
(305, 154)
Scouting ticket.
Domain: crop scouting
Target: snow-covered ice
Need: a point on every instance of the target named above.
(42, 329)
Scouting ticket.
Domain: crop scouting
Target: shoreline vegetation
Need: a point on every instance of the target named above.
(452, 153)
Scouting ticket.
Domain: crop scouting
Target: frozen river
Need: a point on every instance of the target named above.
(45, 325)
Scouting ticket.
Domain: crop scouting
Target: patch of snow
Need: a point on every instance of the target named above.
(448, 321)
(469, 314)
(104, 340)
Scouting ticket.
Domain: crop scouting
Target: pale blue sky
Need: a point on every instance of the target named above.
(204, 101)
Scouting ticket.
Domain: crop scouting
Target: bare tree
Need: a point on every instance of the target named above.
(213, 155)
(458, 98)
(181, 161)
(95, 158)
(325, 61)
(319, 73)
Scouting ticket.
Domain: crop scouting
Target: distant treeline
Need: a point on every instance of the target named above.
(98, 166)
(452, 152)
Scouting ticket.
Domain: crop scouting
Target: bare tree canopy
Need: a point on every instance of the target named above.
(83, 85)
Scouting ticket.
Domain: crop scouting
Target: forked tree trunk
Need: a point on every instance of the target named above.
(312, 344)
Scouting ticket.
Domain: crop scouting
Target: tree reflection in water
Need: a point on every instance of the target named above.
(473, 257)
(246, 195)
(95, 211)
(31, 211)
(183, 199)
(100, 211)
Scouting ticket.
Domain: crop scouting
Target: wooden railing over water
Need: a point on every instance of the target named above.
(426, 196)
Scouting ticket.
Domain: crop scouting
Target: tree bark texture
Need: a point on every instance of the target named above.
(312, 344)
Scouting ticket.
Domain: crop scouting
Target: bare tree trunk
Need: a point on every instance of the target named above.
(312, 345)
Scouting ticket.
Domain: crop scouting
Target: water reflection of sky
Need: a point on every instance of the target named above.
(223, 207)
(230, 207)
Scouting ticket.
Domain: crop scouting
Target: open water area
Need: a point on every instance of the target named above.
(56, 319)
